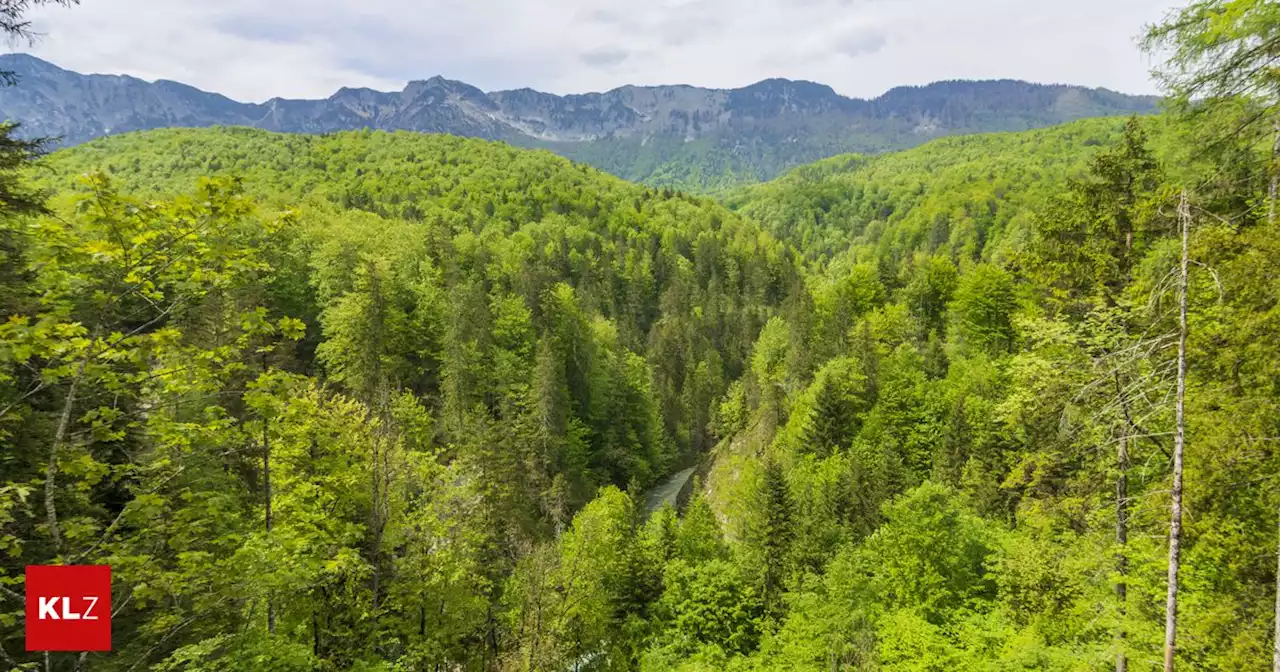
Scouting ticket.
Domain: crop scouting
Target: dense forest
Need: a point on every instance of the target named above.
(391, 401)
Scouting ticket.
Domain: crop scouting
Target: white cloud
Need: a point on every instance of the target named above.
(253, 50)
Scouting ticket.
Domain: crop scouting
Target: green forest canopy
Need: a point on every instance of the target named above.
(388, 401)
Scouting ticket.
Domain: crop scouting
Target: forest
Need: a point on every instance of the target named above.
(392, 401)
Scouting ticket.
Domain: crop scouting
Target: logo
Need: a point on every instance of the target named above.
(68, 608)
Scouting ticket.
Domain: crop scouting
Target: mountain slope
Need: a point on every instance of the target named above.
(966, 197)
(662, 135)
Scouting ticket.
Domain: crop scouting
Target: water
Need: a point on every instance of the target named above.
(667, 492)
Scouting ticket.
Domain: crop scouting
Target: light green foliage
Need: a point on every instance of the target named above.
(710, 603)
(347, 415)
(370, 401)
(967, 198)
(929, 556)
(1219, 50)
(982, 312)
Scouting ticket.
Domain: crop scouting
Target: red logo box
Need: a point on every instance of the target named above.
(68, 608)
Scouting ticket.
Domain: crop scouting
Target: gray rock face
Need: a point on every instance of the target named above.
(681, 135)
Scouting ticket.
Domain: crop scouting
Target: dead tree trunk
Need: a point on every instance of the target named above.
(1272, 193)
(1122, 527)
(1273, 190)
(1275, 653)
(266, 480)
(1179, 442)
(60, 436)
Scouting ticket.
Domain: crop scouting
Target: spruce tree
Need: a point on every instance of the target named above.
(777, 535)
(831, 423)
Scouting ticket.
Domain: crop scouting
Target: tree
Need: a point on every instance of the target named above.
(16, 197)
(769, 365)
(1179, 439)
(775, 536)
(982, 311)
(831, 423)
(929, 292)
(1220, 53)
(1090, 237)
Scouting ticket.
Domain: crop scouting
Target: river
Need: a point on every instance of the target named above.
(667, 492)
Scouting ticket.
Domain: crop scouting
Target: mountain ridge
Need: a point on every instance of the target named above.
(666, 135)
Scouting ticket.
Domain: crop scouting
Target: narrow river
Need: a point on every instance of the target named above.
(667, 492)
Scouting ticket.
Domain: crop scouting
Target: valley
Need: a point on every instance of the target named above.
(973, 376)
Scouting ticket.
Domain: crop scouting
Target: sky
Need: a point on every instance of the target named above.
(255, 50)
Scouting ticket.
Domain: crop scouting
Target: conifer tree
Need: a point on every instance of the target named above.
(775, 537)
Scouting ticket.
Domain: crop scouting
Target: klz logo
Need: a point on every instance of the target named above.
(68, 608)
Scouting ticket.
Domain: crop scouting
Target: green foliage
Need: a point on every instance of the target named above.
(966, 198)
(1088, 239)
(371, 402)
(982, 312)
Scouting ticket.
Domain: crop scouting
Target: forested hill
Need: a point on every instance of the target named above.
(967, 465)
(469, 236)
(682, 136)
(970, 197)
(363, 376)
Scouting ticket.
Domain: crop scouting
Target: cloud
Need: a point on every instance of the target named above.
(860, 42)
(604, 58)
(252, 50)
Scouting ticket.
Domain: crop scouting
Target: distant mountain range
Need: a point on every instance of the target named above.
(662, 135)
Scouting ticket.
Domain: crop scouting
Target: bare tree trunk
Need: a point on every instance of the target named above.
(1179, 442)
(51, 472)
(1272, 194)
(1122, 524)
(1274, 190)
(375, 514)
(1275, 652)
(266, 480)
(378, 400)
(1122, 540)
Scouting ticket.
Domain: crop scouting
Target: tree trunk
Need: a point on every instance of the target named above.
(1179, 442)
(1122, 525)
(266, 480)
(51, 472)
(1275, 652)
(375, 513)
(1122, 539)
(1274, 190)
(378, 399)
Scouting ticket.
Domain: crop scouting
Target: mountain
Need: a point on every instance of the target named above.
(662, 135)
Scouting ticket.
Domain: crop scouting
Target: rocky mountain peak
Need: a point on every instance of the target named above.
(634, 131)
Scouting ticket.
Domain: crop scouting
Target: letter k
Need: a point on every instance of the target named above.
(47, 610)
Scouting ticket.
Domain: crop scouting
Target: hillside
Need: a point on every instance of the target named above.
(439, 345)
(967, 198)
(665, 135)
(968, 453)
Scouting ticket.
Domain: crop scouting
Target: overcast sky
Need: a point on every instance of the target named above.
(254, 50)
